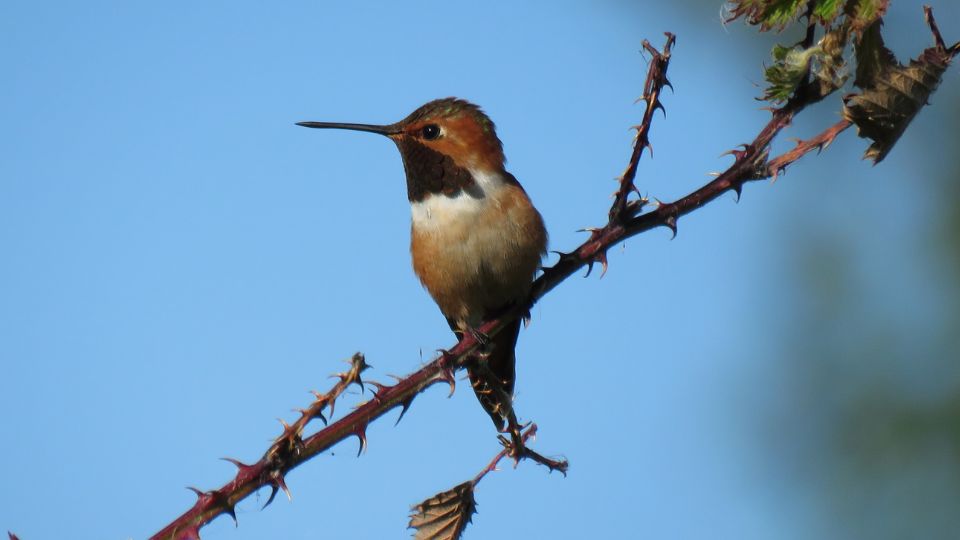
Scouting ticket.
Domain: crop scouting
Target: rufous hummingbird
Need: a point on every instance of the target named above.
(476, 239)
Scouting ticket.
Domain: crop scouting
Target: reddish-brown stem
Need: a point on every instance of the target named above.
(656, 80)
(507, 450)
(750, 164)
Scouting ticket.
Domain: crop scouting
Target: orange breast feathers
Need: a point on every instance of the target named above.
(475, 254)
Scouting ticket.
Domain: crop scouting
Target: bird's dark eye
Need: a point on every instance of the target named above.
(430, 131)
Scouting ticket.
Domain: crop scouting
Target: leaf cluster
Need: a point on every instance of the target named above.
(890, 94)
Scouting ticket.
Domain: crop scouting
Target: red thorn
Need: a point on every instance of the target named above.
(231, 511)
(200, 494)
(12, 536)
(361, 434)
(776, 174)
(671, 223)
(218, 498)
(193, 533)
(239, 464)
(381, 388)
(273, 493)
(283, 485)
(406, 405)
(737, 154)
(332, 401)
(602, 257)
(658, 105)
(446, 373)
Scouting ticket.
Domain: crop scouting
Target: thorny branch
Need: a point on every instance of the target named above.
(492, 466)
(292, 449)
(656, 80)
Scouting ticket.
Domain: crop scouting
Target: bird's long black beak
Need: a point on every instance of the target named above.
(370, 128)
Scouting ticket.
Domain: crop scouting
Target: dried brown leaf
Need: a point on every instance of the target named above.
(445, 515)
(873, 57)
(884, 110)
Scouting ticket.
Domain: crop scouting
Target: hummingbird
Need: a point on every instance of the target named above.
(476, 239)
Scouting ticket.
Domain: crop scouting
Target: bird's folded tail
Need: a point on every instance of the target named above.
(501, 362)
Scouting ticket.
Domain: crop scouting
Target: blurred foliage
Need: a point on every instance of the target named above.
(881, 385)
(871, 427)
(892, 94)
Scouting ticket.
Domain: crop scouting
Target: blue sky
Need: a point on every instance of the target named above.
(181, 264)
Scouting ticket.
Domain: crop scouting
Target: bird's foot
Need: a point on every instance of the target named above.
(482, 339)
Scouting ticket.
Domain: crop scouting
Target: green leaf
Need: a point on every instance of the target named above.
(790, 66)
(780, 13)
(767, 13)
(827, 10)
(863, 13)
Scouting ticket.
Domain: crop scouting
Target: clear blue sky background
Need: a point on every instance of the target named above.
(180, 264)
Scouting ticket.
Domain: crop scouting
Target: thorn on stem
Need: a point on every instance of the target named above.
(405, 404)
(446, 372)
(671, 223)
(239, 464)
(602, 258)
(361, 434)
(280, 481)
(277, 483)
(231, 510)
(380, 389)
(193, 533)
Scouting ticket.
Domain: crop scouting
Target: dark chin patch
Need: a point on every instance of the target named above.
(431, 172)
